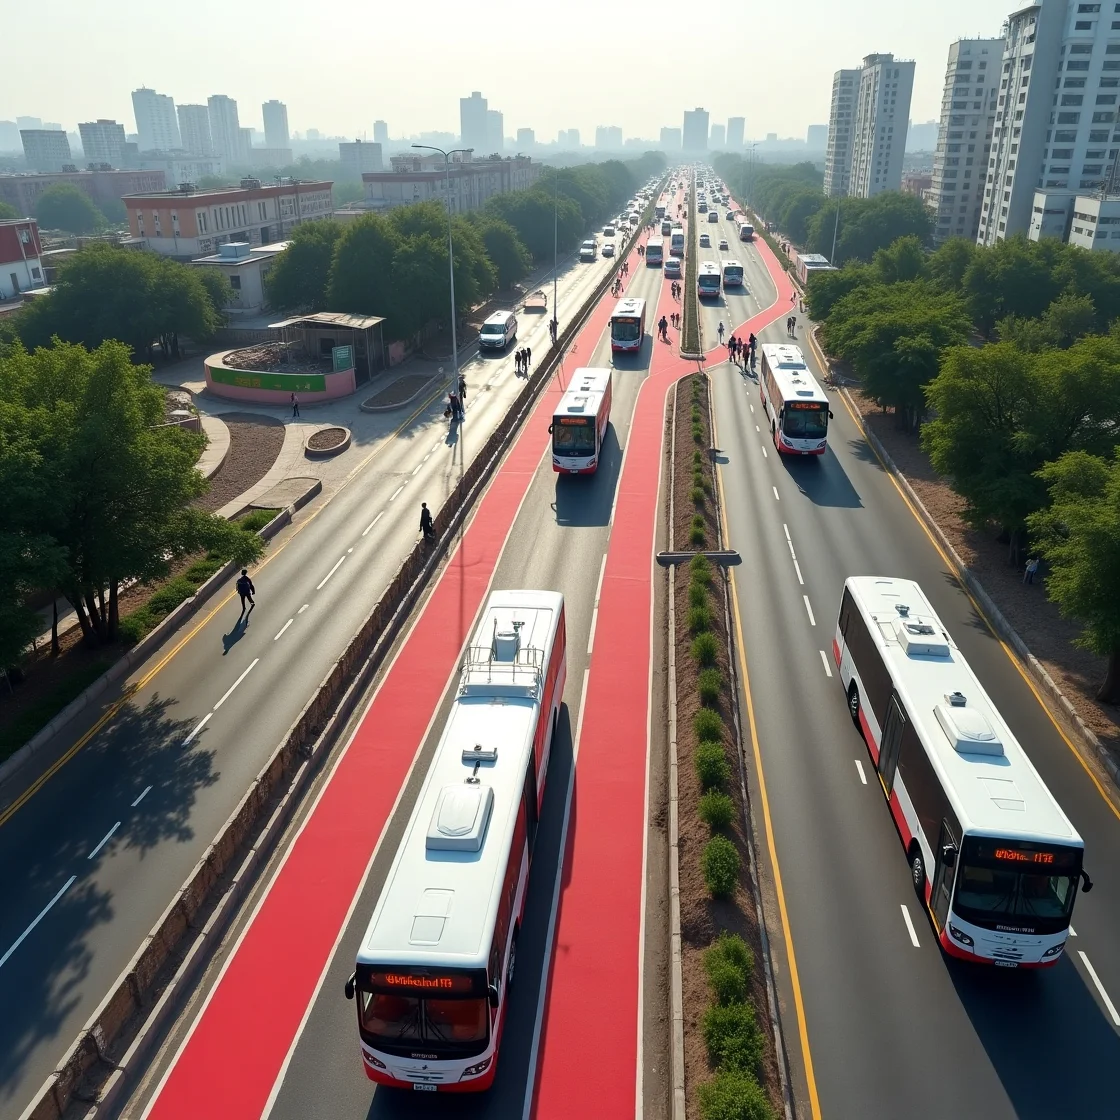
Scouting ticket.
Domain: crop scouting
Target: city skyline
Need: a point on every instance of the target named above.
(93, 91)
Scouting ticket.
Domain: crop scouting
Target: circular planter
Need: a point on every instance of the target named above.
(327, 442)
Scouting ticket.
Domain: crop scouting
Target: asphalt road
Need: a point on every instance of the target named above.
(90, 862)
(894, 1028)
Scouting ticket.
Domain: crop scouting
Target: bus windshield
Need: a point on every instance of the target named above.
(732, 273)
(626, 328)
(573, 437)
(1007, 882)
(803, 420)
(390, 1020)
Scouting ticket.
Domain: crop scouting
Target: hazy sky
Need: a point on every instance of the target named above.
(341, 64)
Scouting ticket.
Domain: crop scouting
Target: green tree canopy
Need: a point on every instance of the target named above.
(1079, 535)
(901, 261)
(361, 279)
(300, 274)
(948, 263)
(868, 224)
(531, 214)
(1067, 319)
(827, 288)
(7, 212)
(64, 206)
(505, 249)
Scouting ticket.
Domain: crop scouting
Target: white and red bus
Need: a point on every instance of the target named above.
(994, 859)
(628, 324)
(435, 966)
(579, 424)
(795, 404)
(708, 280)
(655, 251)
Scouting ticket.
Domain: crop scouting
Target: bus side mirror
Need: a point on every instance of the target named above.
(948, 855)
(830, 416)
(349, 989)
(550, 429)
(1087, 883)
(492, 994)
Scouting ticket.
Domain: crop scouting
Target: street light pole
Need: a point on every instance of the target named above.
(450, 251)
(555, 243)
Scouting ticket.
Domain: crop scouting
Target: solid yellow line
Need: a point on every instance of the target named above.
(1012, 656)
(787, 933)
(116, 706)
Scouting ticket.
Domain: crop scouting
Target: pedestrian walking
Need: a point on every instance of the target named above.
(793, 297)
(246, 590)
(528, 357)
(295, 407)
(463, 389)
(719, 331)
(456, 406)
(553, 329)
(1032, 567)
(793, 325)
(426, 522)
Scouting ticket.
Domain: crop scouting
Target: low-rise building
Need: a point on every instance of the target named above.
(189, 223)
(245, 267)
(1096, 222)
(1050, 215)
(472, 182)
(21, 266)
(359, 156)
(22, 190)
(181, 167)
(270, 157)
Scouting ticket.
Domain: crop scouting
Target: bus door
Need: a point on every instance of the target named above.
(889, 744)
(945, 855)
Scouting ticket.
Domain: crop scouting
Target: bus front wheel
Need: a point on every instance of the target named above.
(853, 704)
(918, 871)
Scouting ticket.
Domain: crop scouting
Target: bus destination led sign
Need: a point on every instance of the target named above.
(815, 406)
(415, 983)
(1021, 855)
(578, 420)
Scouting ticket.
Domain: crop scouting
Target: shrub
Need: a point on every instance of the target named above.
(697, 459)
(730, 947)
(733, 1038)
(135, 625)
(699, 619)
(705, 649)
(720, 864)
(697, 416)
(716, 810)
(700, 570)
(256, 519)
(697, 595)
(201, 570)
(707, 725)
(169, 596)
(710, 684)
(697, 433)
(732, 1095)
(698, 496)
(697, 536)
(727, 984)
(711, 766)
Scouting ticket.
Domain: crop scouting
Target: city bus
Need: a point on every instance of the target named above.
(746, 231)
(676, 242)
(707, 280)
(655, 251)
(579, 424)
(732, 274)
(993, 858)
(659, 210)
(794, 403)
(434, 969)
(628, 324)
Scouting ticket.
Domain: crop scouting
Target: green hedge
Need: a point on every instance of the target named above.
(732, 1095)
(720, 864)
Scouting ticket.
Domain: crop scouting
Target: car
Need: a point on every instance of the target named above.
(713, 215)
(635, 221)
(673, 268)
(587, 251)
(705, 241)
(608, 249)
(608, 231)
(723, 243)
(730, 215)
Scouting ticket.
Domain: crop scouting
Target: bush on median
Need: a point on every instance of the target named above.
(707, 725)
(710, 685)
(733, 1038)
(720, 864)
(732, 1095)
(716, 810)
(711, 766)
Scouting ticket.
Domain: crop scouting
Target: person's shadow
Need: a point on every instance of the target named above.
(237, 633)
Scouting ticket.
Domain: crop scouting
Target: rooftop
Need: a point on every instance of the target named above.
(330, 319)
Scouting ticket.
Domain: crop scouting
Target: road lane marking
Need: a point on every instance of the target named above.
(1072, 932)
(910, 927)
(786, 528)
(797, 568)
(1096, 980)
(198, 727)
(42, 914)
(147, 790)
(303, 608)
(282, 629)
(792, 554)
(416, 469)
(764, 455)
(752, 408)
(757, 428)
(348, 551)
(599, 584)
(229, 693)
(330, 573)
(775, 489)
(862, 775)
(104, 840)
(809, 610)
(824, 661)
(397, 491)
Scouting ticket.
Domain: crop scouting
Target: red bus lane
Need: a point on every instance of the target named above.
(594, 988)
(236, 1049)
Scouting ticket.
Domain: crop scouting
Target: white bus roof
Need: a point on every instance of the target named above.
(986, 774)
(630, 305)
(728, 262)
(791, 374)
(584, 393)
(709, 266)
(441, 897)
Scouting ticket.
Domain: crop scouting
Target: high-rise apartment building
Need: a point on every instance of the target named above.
(245, 147)
(473, 130)
(736, 130)
(841, 120)
(275, 124)
(157, 128)
(194, 128)
(879, 129)
(45, 149)
(381, 133)
(694, 135)
(816, 137)
(526, 138)
(103, 142)
(671, 139)
(29, 122)
(495, 132)
(225, 128)
(718, 137)
(964, 137)
(568, 138)
(359, 157)
(608, 136)
(9, 136)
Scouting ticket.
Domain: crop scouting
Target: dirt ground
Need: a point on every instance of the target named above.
(702, 918)
(1050, 637)
(254, 443)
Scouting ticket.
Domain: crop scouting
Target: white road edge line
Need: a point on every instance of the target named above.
(396, 492)
(104, 840)
(198, 727)
(330, 573)
(812, 620)
(910, 927)
(862, 775)
(599, 585)
(229, 693)
(1096, 980)
(824, 661)
(42, 914)
(283, 628)
(146, 791)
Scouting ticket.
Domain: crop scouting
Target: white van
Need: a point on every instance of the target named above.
(498, 331)
(587, 251)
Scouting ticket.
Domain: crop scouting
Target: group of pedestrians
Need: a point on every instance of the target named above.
(675, 290)
(663, 328)
(742, 351)
(524, 356)
(641, 251)
(675, 319)
(791, 326)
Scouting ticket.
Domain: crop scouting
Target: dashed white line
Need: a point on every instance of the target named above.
(910, 927)
(764, 455)
(104, 840)
(862, 775)
(198, 727)
(396, 492)
(306, 605)
(416, 469)
(280, 633)
(800, 580)
(229, 691)
(1096, 980)
(752, 408)
(1072, 932)
(331, 573)
(775, 489)
(792, 554)
(602, 572)
(786, 528)
(146, 791)
(42, 914)
(757, 428)
(809, 609)
(824, 661)
(374, 522)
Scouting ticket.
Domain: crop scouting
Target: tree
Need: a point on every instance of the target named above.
(799, 207)
(344, 193)
(505, 249)
(64, 206)
(826, 288)
(901, 261)
(218, 288)
(868, 224)
(1011, 277)
(948, 263)
(1079, 535)
(531, 214)
(114, 486)
(7, 213)
(361, 272)
(300, 274)
(1067, 319)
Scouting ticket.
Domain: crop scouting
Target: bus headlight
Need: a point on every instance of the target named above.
(482, 1067)
(1054, 950)
(960, 935)
(373, 1061)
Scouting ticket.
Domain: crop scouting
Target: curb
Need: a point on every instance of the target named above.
(992, 614)
(365, 406)
(327, 452)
